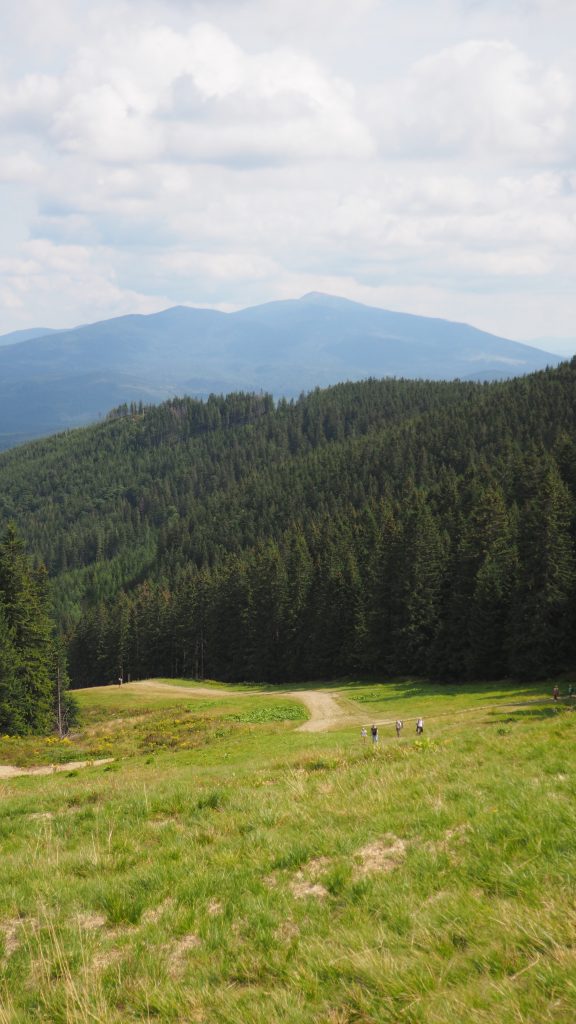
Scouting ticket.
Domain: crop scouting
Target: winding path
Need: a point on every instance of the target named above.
(325, 711)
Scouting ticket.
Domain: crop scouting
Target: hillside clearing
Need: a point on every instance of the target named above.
(266, 875)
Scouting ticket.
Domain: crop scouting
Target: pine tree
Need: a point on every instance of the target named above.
(11, 696)
(27, 638)
(422, 568)
(546, 573)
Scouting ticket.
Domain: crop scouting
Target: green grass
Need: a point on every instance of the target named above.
(267, 876)
(410, 699)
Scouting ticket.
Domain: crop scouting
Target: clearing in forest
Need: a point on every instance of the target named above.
(228, 866)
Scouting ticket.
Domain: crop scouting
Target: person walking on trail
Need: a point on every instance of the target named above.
(570, 691)
(555, 693)
(419, 726)
(399, 727)
(364, 735)
(374, 732)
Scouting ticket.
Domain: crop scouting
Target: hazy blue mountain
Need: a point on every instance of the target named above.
(59, 379)
(26, 335)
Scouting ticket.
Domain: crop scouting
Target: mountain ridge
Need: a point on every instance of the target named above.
(284, 347)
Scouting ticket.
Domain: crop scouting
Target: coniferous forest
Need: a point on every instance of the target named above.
(385, 527)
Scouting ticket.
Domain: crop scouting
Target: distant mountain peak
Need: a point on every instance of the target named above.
(284, 347)
(312, 296)
(322, 298)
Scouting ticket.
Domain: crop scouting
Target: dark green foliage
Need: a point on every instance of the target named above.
(26, 685)
(387, 526)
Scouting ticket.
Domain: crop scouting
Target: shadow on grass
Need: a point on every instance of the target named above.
(409, 689)
(535, 713)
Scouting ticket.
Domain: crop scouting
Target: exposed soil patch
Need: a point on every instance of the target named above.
(10, 931)
(305, 882)
(11, 771)
(179, 951)
(301, 889)
(12, 928)
(316, 867)
(155, 913)
(382, 855)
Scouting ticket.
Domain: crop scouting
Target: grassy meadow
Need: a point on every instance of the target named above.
(227, 868)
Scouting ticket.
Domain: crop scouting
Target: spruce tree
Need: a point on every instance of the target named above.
(541, 614)
(26, 643)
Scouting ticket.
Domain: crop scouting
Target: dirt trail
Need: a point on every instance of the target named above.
(11, 771)
(325, 711)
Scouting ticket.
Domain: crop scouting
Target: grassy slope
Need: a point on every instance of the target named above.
(257, 874)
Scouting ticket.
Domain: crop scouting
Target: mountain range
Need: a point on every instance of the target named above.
(54, 380)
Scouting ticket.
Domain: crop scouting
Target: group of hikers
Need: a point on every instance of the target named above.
(399, 726)
(420, 721)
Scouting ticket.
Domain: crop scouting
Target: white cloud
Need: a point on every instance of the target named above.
(49, 283)
(412, 155)
(481, 98)
(19, 167)
(156, 94)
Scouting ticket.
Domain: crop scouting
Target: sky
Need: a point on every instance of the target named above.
(417, 155)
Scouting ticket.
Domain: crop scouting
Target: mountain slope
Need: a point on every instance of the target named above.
(15, 337)
(61, 379)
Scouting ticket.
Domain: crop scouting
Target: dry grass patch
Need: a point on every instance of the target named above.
(305, 881)
(89, 922)
(215, 908)
(13, 930)
(301, 889)
(179, 951)
(287, 931)
(105, 958)
(153, 914)
(10, 930)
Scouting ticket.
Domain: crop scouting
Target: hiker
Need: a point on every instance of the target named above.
(419, 726)
(374, 731)
(555, 693)
(364, 734)
(570, 691)
(120, 680)
(399, 727)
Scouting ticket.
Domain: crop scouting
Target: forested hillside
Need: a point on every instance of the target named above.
(389, 526)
